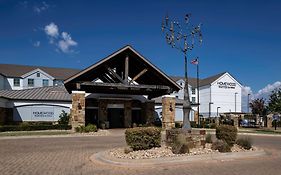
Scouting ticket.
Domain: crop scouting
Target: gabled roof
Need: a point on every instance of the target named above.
(202, 82)
(14, 70)
(37, 70)
(191, 81)
(137, 63)
(50, 93)
(210, 80)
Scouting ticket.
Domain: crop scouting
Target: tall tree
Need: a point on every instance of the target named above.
(258, 106)
(274, 104)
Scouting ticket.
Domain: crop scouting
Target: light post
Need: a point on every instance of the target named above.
(182, 37)
(218, 111)
(210, 103)
(235, 101)
(248, 105)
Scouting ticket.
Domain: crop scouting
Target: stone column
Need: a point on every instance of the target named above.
(149, 111)
(128, 114)
(168, 111)
(78, 109)
(196, 116)
(269, 120)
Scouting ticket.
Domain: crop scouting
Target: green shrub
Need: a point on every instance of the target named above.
(221, 146)
(245, 143)
(213, 125)
(28, 127)
(193, 124)
(227, 133)
(86, 129)
(182, 144)
(91, 128)
(209, 138)
(143, 138)
(64, 118)
(25, 126)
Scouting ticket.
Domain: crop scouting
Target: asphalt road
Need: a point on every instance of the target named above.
(70, 155)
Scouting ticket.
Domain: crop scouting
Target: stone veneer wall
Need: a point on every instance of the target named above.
(198, 137)
(269, 120)
(78, 109)
(168, 112)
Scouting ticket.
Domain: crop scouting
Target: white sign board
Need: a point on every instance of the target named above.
(42, 113)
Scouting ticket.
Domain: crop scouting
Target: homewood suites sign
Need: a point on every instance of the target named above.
(226, 85)
(43, 114)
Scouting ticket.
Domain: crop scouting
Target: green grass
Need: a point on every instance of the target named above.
(33, 133)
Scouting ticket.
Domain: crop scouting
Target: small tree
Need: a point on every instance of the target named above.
(64, 118)
(274, 104)
(258, 106)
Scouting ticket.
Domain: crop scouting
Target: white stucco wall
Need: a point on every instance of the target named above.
(38, 81)
(205, 96)
(223, 95)
(10, 84)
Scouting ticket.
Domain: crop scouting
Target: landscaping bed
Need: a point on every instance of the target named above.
(164, 152)
(146, 143)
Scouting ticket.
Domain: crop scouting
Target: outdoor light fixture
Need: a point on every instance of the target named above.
(171, 107)
(79, 106)
(182, 37)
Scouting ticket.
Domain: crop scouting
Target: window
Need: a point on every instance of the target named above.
(38, 74)
(193, 100)
(45, 82)
(30, 82)
(16, 82)
(193, 90)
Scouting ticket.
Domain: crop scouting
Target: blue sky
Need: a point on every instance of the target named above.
(240, 37)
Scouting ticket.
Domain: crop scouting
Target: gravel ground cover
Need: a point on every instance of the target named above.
(165, 151)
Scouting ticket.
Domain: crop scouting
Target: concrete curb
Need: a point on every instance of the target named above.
(103, 157)
(70, 135)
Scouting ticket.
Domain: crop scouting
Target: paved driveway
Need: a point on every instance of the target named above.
(70, 155)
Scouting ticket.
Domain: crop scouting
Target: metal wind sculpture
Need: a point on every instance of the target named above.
(182, 37)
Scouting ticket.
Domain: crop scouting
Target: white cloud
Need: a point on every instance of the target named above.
(52, 30)
(262, 93)
(66, 42)
(267, 90)
(41, 7)
(37, 44)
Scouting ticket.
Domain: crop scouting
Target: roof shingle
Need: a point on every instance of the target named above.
(14, 70)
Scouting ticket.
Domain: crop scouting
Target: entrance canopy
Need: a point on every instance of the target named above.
(123, 72)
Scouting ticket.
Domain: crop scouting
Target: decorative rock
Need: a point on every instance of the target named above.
(166, 151)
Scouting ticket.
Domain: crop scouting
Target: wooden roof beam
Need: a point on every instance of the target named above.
(138, 75)
(114, 74)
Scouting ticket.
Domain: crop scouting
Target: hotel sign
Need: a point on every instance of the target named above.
(226, 85)
(42, 112)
